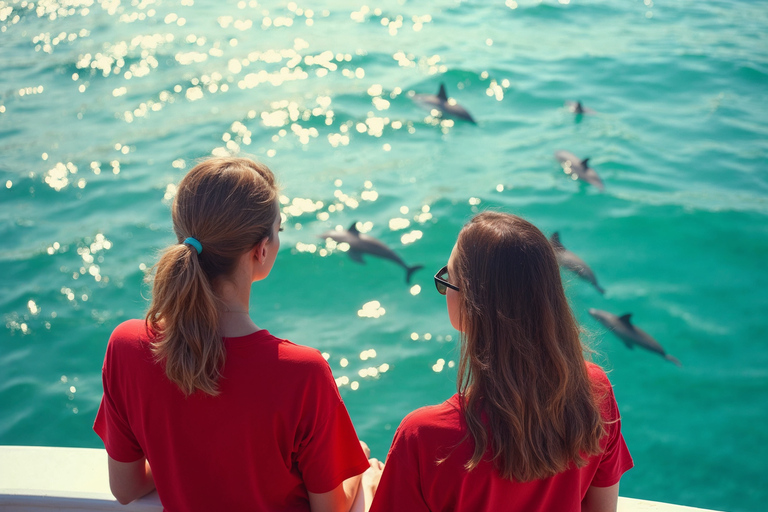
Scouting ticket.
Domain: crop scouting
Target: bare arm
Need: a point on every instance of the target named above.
(129, 481)
(338, 500)
(370, 483)
(349, 496)
(601, 499)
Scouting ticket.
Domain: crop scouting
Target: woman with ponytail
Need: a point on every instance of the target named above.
(533, 427)
(200, 402)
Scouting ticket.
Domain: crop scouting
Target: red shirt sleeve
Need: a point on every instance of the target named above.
(615, 459)
(400, 485)
(111, 424)
(329, 451)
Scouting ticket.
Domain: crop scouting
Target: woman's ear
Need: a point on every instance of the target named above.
(259, 250)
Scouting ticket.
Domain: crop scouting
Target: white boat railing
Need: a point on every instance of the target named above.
(35, 478)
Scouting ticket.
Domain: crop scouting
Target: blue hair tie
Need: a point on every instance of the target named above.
(194, 243)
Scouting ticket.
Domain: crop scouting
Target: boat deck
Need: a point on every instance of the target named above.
(34, 478)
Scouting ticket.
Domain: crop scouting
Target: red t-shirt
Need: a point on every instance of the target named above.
(412, 481)
(277, 429)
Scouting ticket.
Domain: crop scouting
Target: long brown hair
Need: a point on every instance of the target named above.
(228, 205)
(522, 372)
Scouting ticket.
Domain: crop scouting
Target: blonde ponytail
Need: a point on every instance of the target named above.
(228, 205)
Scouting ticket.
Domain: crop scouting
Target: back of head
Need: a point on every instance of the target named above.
(522, 364)
(228, 205)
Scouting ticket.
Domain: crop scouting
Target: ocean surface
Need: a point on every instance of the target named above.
(104, 105)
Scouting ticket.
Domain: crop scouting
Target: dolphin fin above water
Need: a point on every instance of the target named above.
(441, 94)
(626, 320)
(578, 168)
(578, 108)
(555, 241)
(442, 103)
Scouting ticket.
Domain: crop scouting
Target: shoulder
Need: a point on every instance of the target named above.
(131, 328)
(130, 334)
(603, 392)
(291, 352)
(428, 434)
(299, 358)
(280, 350)
(597, 375)
(433, 421)
(129, 345)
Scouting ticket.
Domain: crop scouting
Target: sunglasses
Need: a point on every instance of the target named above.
(441, 281)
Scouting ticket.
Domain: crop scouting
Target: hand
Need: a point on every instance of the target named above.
(371, 478)
(366, 450)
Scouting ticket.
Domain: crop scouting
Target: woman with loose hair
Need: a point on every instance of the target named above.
(533, 427)
(200, 402)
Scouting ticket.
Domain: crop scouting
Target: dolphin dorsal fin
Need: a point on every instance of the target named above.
(626, 319)
(585, 162)
(555, 240)
(442, 94)
(353, 229)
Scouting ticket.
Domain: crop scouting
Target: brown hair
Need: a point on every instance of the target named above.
(522, 372)
(228, 205)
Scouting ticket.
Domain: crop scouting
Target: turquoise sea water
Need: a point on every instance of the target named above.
(105, 105)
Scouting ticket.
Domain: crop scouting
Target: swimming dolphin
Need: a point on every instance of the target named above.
(577, 108)
(629, 334)
(441, 102)
(578, 168)
(572, 262)
(360, 244)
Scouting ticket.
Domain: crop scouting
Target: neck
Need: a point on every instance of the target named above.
(234, 296)
(234, 324)
(230, 310)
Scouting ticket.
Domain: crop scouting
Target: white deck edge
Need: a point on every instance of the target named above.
(35, 478)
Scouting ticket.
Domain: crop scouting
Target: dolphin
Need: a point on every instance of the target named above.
(360, 244)
(578, 169)
(622, 327)
(572, 262)
(578, 108)
(441, 102)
